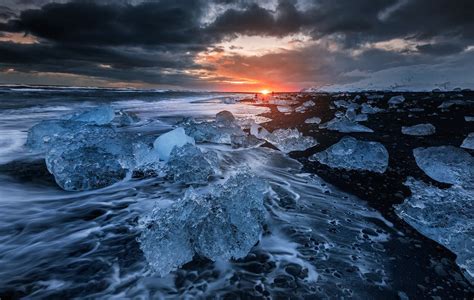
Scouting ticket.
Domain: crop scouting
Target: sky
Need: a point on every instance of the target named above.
(239, 45)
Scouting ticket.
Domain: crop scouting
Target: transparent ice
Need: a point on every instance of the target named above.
(314, 120)
(395, 100)
(220, 131)
(444, 215)
(224, 223)
(446, 164)
(345, 125)
(100, 115)
(188, 164)
(90, 157)
(288, 140)
(352, 154)
(419, 130)
(468, 142)
(165, 143)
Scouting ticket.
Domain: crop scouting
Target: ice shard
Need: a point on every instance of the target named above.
(352, 154)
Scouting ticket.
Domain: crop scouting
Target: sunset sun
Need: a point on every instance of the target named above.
(265, 92)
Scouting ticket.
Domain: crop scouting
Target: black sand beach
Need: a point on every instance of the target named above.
(423, 267)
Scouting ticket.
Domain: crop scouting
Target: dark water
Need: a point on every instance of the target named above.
(318, 242)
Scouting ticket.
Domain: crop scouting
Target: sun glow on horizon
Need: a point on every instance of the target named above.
(265, 92)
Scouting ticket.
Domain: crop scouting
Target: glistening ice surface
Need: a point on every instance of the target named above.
(314, 241)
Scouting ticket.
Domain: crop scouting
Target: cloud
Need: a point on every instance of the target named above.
(160, 42)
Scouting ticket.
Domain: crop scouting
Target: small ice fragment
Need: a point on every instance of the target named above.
(314, 120)
(222, 224)
(419, 130)
(395, 100)
(456, 102)
(126, 118)
(345, 125)
(246, 141)
(446, 164)
(100, 115)
(229, 100)
(352, 154)
(368, 109)
(444, 215)
(165, 143)
(468, 142)
(258, 131)
(288, 140)
(284, 109)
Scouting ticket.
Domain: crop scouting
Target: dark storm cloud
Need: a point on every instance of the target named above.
(84, 22)
(157, 41)
(6, 13)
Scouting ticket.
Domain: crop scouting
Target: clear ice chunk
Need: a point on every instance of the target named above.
(395, 100)
(165, 143)
(345, 125)
(288, 140)
(369, 109)
(124, 118)
(90, 157)
(314, 120)
(100, 115)
(419, 130)
(188, 164)
(42, 135)
(352, 154)
(446, 164)
(284, 109)
(455, 102)
(468, 142)
(258, 131)
(444, 215)
(221, 131)
(222, 224)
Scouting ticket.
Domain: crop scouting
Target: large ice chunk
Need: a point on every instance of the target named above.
(288, 140)
(221, 131)
(419, 130)
(90, 157)
(444, 215)
(468, 142)
(345, 125)
(42, 136)
(100, 115)
(222, 224)
(446, 164)
(352, 154)
(165, 143)
(188, 164)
